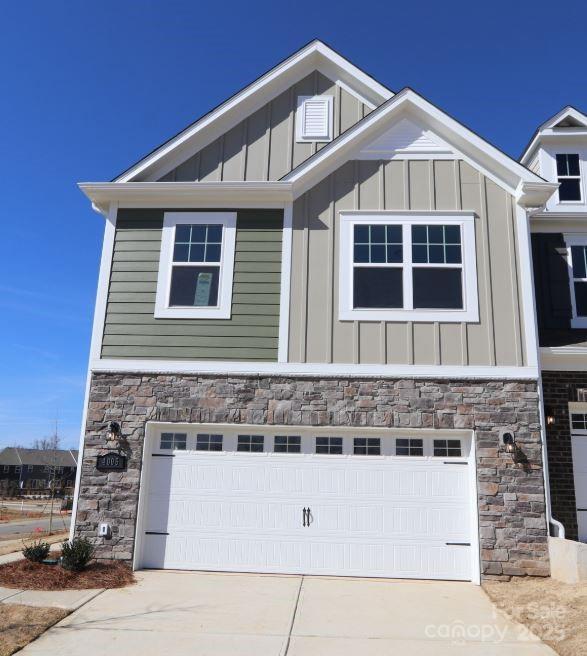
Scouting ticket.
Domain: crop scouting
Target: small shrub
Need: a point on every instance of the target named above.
(36, 551)
(75, 555)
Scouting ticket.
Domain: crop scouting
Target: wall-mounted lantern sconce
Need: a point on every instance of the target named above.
(114, 433)
(550, 419)
(509, 442)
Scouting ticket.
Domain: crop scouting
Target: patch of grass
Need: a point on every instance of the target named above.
(25, 575)
(556, 612)
(19, 625)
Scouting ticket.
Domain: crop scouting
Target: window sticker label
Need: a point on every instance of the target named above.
(203, 288)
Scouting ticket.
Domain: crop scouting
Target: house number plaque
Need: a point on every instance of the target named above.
(111, 462)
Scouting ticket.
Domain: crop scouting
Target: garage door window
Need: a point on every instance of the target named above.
(409, 447)
(329, 445)
(173, 441)
(447, 448)
(205, 442)
(367, 446)
(250, 443)
(288, 444)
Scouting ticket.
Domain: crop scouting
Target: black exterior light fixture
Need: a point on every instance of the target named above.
(509, 442)
(549, 415)
(114, 433)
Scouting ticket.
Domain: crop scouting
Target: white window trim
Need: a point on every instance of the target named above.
(466, 221)
(579, 177)
(576, 239)
(223, 309)
(300, 136)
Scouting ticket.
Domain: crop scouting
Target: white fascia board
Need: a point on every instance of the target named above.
(326, 370)
(187, 194)
(563, 358)
(315, 55)
(497, 166)
(534, 194)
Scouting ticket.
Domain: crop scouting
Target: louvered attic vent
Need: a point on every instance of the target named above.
(314, 118)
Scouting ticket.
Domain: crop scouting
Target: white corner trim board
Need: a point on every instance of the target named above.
(314, 369)
(284, 292)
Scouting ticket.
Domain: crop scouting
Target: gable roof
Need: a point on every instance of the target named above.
(528, 187)
(316, 55)
(568, 121)
(19, 456)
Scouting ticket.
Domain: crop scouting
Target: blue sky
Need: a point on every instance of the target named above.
(88, 88)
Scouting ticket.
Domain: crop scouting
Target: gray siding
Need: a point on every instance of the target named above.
(316, 334)
(263, 146)
(131, 331)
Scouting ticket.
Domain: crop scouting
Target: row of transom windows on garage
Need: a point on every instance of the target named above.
(307, 444)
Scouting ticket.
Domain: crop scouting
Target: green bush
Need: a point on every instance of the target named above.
(36, 551)
(75, 555)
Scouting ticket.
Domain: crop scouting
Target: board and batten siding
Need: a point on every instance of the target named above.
(263, 146)
(316, 334)
(130, 329)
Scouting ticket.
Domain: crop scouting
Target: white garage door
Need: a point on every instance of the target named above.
(339, 504)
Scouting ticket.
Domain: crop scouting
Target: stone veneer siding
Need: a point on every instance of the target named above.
(512, 524)
(560, 387)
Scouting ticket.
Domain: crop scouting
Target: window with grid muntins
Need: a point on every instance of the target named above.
(251, 443)
(579, 268)
(195, 272)
(447, 448)
(579, 421)
(329, 445)
(568, 176)
(437, 266)
(173, 441)
(206, 442)
(287, 444)
(367, 446)
(409, 447)
(384, 266)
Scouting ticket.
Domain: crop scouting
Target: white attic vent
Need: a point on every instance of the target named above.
(314, 118)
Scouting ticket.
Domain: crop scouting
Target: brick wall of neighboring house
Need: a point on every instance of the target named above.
(560, 387)
(513, 531)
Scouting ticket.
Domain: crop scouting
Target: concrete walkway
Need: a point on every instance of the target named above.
(251, 615)
(66, 599)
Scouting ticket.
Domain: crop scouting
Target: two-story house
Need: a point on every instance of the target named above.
(315, 333)
(558, 152)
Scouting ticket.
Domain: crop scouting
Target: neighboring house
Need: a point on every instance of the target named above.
(558, 152)
(34, 469)
(315, 326)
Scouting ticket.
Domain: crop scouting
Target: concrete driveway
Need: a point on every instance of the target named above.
(209, 614)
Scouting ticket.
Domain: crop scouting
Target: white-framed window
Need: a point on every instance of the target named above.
(577, 261)
(407, 267)
(17, 469)
(196, 265)
(250, 443)
(6, 468)
(287, 444)
(173, 441)
(208, 442)
(329, 446)
(568, 175)
(30, 468)
(367, 446)
(314, 118)
(409, 446)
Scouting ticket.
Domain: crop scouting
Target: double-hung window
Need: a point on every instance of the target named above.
(406, 267)
(577, 258)
(569, 177)
(196, 265)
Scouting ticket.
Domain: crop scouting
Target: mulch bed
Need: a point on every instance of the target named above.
(24, 575)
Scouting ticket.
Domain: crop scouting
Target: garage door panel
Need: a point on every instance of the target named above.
(383, 516)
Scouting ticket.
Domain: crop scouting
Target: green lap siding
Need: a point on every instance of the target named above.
(131, 330)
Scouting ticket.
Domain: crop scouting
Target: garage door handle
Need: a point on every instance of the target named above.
(304, 517)
(309, 517)
(458, 544)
